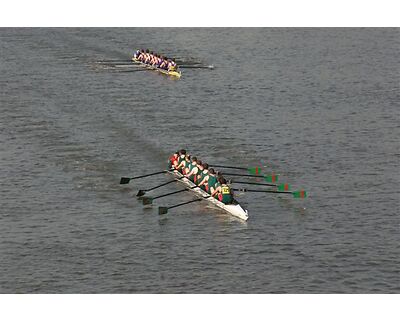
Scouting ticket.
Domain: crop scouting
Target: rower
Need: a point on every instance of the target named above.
(153, 59)
(217, 184)
(193, 170)
(147, 56)
(143, 55)
(139, 55)
(223, 192)
(136, 54)
(201, 174)
(188, 161)
(164, 64)
(160, 61)
(209, 181)
(150, 57)
(171, 65)
(181, 161)
(173, 160)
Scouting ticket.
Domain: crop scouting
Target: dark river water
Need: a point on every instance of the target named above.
(318, 106)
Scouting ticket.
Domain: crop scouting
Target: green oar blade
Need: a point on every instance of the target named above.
(300, 194)
(255, 170)
(147, 200)
(124, 180)
(162, 210)
(272, 178)
(284, 187)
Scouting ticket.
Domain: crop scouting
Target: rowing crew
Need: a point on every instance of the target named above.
(155, 60)
(200, 174)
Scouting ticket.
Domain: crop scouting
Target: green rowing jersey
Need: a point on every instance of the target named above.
(212, 182)
(201, 175)
(180, 159)
(226, 194)
(191, 166)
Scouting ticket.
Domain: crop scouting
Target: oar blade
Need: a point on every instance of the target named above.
(300, 194)
(141, 193)
(147, 200)
(255, 170)
(272, 178)
(124, 180)
(162, 210)
(284, 187)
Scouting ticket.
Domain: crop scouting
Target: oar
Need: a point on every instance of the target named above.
(136, 70)
(149, 200)
(125, 180)
(196, 67)
(296, 194)
(271, 178)
(113, 61)
(281, 187)
(164, 210)
(142, 192)
(188, 62)
(252, 170)
(127, 63)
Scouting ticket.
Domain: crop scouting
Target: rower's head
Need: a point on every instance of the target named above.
(205, 166)
(182, 151)
(147, 51)
(211, 171)
(199, 163)
(151, 52)
(222, 180)
(194, 159)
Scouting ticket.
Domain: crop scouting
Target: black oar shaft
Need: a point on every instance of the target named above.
(227, 167)
(161, 185)
(195, 67)
(125, 180)
(265, 191)
(174, 192)
(143, 192)
(148, 175)
(183, 203)
(256, 183)
(168, 194)
(241, 175)
(187, 202)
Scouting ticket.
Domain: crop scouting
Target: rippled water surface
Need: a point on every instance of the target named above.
(318, 106)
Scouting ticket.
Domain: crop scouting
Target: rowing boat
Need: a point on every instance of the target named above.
(175, 73)
(233, 209)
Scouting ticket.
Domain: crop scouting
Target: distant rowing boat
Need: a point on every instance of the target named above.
(233, 209)
(176, 74)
